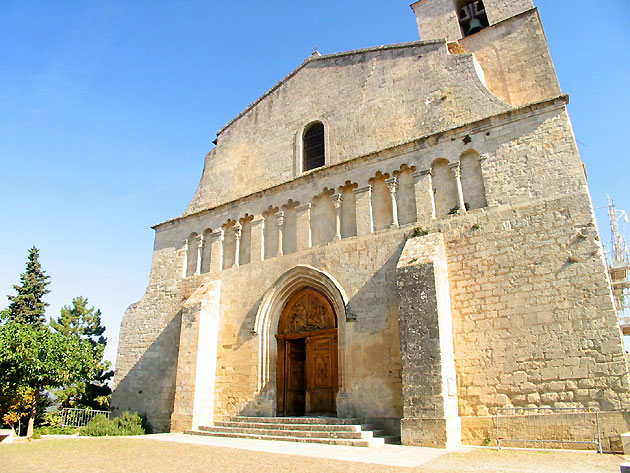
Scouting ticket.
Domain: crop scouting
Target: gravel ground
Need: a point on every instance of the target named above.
(157, 455)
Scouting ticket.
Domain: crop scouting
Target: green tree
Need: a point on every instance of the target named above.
(27, 306)
(82, 321)
(85, 323)
(34, 356)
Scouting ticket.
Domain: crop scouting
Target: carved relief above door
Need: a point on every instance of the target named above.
(307, 356)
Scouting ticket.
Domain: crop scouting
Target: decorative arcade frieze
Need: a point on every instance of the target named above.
(404, 197)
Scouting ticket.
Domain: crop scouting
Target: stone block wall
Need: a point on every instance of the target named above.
(512, 51)
(430, 415)
(533, 320)
(515, 59)
(146, 364)
(393, 85)
(439, 19)
(414, 141)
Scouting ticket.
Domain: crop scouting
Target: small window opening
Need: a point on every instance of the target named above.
(313, 146)
(472, 17)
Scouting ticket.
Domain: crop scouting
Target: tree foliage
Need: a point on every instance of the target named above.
(27, 306)
(80, 320)
(15, 402)
(35, 357)
(84, 322)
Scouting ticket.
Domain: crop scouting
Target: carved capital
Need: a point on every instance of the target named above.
(238, 231)
(392, 183)
(454, 167)
(337, 200)
(280, 217)
(200, 241)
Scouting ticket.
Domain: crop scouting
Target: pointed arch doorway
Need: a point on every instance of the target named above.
(307, 356)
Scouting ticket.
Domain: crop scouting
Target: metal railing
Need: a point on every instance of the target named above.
(79, 417)
(538, 427)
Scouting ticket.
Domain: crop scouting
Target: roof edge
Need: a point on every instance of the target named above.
(323, 57)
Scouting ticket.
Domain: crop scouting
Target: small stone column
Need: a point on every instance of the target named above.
(365, 222)
(238, 232)
(337, 201)
(454, 167)
(280, 218)
(303, 227)
(216, 251)
(425, 200)
(200, 244)
(392, 183)
(185, 269)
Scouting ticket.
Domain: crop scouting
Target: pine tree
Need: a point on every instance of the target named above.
(27, 306)
(84, 323)
(81, 321)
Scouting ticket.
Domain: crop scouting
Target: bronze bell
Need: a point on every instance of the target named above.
(474, 26)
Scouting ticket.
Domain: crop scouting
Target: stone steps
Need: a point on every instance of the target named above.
(282, 426)
(296, 420)
(327, 430)
(327, 433)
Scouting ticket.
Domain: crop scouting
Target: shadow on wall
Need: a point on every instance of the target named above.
(375, 306)
(149, 387)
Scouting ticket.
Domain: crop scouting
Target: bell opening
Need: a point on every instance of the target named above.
(472, 16)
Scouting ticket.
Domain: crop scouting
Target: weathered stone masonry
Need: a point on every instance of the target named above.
(498, 298)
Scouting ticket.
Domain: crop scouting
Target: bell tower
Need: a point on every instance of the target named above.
(506, 37)
(456, 19)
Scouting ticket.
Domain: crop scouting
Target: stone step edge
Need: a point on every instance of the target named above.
(344, 442)
(305, 427)
(294, 433)
(293, 420)
(273, 428)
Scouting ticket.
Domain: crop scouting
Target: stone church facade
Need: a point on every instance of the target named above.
(401, 234)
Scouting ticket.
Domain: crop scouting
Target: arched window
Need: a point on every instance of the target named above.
(313, 149)
(381, 201)
(191, 254)
(444, 188)
(472, 180)
(207, 251)
(472, 16)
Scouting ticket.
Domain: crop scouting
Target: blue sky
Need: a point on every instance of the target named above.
(108, 108)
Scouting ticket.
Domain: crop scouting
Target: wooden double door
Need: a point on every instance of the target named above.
(307, 373)
(307, 356)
